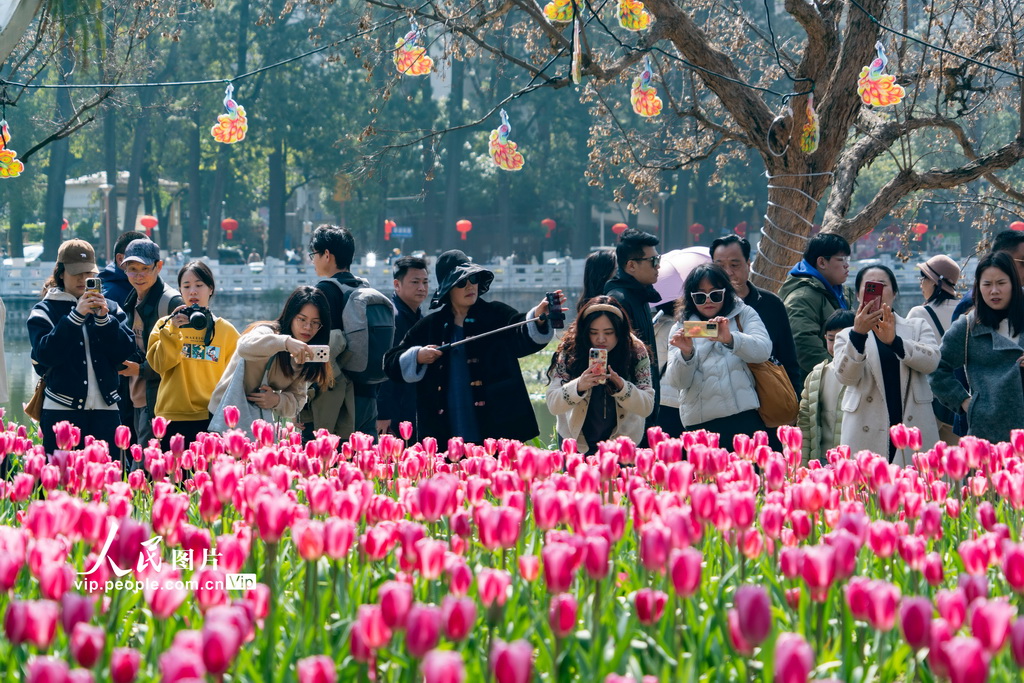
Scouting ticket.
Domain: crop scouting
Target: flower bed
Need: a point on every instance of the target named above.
(505, 562)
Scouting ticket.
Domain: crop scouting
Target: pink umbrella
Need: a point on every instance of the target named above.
(675, 266)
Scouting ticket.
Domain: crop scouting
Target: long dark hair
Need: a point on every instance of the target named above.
(718, 279)
(1014, 313)
(597, 270)
(55, 280)
(311, 372)
(574, 349)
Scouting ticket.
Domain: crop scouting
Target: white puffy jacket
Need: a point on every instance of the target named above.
(716, 382)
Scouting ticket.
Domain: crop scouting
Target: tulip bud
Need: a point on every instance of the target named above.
(966, 659)
(916, 622)
(562, 614)
(46, 670)
(650, 605)
(395, 599)
(990, 623)
(423, 628)
(794, 659)
(511, 662)
(316, 669)
(1017, 640)
(442, 666)
(231, 416)
(159, 425)
(685, 571)
(123, 437)
(458, 615)
(754, 610)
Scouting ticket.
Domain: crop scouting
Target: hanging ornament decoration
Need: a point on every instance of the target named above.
(229, 225)
(810, 136)
(148, 223)
(463, 227)
(696, 229)
(231, 127)
(741, 229)
(1017, 225)
(877, 88)
(560, 11)
(633, 16)
(549, 225)
(10, 164)
(577, 51)
(919, 230)
(620, 228)
(503, 151)
(644, 96)
(410, 57)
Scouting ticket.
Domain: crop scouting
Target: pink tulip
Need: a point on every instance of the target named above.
(460, 578)
(274, 514)
(655, 544)
(338, 537)
(882, 538)
(650, 605)
(46, 670)
(511, 662)
(68, 435)
(181, 664)
(458, 616)
(423, 629)
(124, 664)
(164, 593)
(939, 634)
(916, 621)
(308, 536)
(898, 436)
(442, 666)
(933, 571)
(1017, 641)
(430, 556)
(967, 660)
(231, 416)
(990, 623)
(492, 586)
(316, 669)
(87, 644)
(75, 609)
(1013, 565)
(819, 570)
(952, 606)
(794, 659)
(685, 571)
(221, 641)
(123, 437)
(159, 425)
(31, 621)
(739, 642)
(562, 614)
(883, 599)
(395, 599)
(754, 610)
(529, 567)
(370, 622)
(559, 566)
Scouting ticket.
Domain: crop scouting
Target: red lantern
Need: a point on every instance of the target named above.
(919, 229)
(148, 222)
(549, 225)
(696, 229)
(620, 228)
(229, 225)
(741, 229)
(389, 225)
(463, 227)
(64, 224)
(1017, 225)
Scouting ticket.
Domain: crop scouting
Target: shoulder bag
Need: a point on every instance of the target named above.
(235, 395)
(775, 393)
(34, 408)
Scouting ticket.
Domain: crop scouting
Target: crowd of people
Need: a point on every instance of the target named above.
(123, 346)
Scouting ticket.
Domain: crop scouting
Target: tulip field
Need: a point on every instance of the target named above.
(265, 559)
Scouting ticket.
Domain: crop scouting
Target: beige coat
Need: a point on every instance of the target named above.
(255, 348)
(865, 415)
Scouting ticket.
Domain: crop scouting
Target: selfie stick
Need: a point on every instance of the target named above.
(445, 347)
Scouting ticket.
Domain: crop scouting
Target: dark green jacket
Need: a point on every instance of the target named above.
(809, 304)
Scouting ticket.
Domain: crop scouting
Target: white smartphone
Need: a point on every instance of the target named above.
(321, 354)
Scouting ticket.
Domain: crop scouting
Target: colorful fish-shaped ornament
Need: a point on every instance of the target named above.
(810, 135)
(560, 11)
(633, 16)
(644, 96)
(410, 57)
(10, 165)
(877, 88)
(231, 126)
(503, 151)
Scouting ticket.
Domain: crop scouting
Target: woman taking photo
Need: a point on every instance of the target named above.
(190, 351)
(986, 343)
(476, 389)
(884, 361)
(595, 403)
(79, 342)
(716, 388)
(284, 357)
(939, 276)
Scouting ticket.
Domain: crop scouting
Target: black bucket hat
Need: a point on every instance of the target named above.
(453, 267)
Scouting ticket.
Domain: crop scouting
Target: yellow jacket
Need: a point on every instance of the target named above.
(188, 369)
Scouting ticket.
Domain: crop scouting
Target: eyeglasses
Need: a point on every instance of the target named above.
(717, 296)
(139, 273)
(655, 260)
(306, 322)
(841, 259)
(473, 279)
(312, 254)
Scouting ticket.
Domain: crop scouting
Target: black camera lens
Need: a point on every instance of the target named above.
(197, 321)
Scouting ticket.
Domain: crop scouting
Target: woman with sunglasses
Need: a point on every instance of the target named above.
(474, 390)
(281, 350)
(709, 367)
(595, 403)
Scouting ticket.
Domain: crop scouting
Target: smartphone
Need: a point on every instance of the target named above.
(94, 284)
(321, 354)
(872, 290)
(700, 328)
(599, 361)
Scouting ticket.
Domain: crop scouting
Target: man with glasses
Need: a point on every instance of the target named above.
(811, 292)
(115, 283)
(150, 299)
(633, 287)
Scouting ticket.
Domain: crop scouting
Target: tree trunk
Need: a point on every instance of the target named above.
(504, 244)
(110, 164)
(138, 157)
(60, 155)
(217, 201)
(276, 200)
(195, 194)
(427, 231)
(582, 226)
(19, 210)
(454, 143)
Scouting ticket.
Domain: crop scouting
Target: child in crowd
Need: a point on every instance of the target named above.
(821, 417)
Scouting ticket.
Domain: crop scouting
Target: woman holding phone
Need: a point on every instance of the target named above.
(884, 361)
(190, 350)
(283, 350)
(716, 336)
(79, 342)
(599, 380)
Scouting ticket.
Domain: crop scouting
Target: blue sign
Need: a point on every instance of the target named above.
(401, 232)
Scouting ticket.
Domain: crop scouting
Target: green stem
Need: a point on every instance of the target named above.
(269, 578)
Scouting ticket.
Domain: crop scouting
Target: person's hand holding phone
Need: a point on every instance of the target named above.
(589, 379)
(724, 333)
(867, 316)
(299, 350)
(615, 379)
(682, 342)
(91, 303)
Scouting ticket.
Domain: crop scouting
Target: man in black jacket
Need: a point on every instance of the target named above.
(150, 299)
(633, 287)
(396, 402)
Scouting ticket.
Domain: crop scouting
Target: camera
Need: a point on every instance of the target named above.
(555, 313)
(199, 318)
